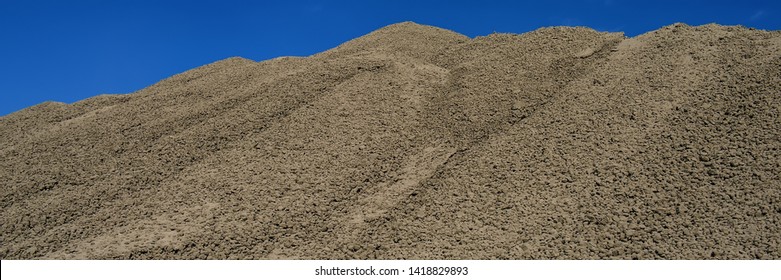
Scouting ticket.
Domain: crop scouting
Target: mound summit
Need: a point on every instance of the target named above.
(414, 142)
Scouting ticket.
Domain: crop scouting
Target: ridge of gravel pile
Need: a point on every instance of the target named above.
(414, 142)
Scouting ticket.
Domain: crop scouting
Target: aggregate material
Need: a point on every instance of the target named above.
(414, 142)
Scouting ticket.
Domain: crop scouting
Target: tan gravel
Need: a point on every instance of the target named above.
(415, 142)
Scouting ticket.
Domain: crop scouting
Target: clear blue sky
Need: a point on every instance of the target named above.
(70, 50)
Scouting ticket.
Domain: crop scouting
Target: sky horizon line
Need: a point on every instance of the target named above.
(67, 52)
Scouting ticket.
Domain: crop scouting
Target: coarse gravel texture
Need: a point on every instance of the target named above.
(414, 142)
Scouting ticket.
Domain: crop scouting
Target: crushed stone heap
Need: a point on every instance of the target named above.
(415, 142)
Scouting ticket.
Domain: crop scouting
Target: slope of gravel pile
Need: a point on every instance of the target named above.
(417, 142)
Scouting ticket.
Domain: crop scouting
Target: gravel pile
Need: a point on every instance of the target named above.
(415, 142)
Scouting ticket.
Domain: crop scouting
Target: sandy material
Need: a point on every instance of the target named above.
(417, 142)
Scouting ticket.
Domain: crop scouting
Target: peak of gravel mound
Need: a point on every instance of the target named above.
(415, 142)
(407, 39)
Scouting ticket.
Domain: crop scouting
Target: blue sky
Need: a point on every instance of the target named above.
(70, 50)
